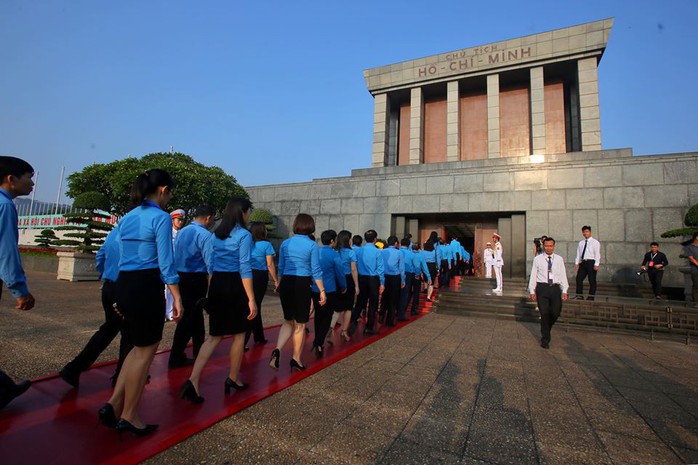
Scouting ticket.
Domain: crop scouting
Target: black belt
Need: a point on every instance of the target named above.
(551, 285)
(589, 260)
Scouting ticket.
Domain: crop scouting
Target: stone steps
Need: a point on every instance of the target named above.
(612, 309)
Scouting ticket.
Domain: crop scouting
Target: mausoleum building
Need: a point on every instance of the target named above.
(502, 137)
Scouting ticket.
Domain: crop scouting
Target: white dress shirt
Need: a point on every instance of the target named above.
(593, 251)
(539, 272)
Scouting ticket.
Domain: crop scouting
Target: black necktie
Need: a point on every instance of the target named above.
(550, 269)
(584, 250)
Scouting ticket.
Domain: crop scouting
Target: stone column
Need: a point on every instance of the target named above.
(493, 146)
(380, 130)
(416, 126)
(537, 111)
(588, 78)
(452, 122)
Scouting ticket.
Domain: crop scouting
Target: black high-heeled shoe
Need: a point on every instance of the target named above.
(230, 384)
(124, 425)
(274, 361)
(189, 392)
(295, 364)
(107, 417)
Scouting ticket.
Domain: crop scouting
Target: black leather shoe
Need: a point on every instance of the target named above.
(189, 392)
(180, 362)
(8, 394)
(107, 417)
(403, 319)
(545, 345)
(124, 425)
(230, 384)
(70, 377)
(370, 331)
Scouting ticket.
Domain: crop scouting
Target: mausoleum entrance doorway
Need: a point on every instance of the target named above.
(473, 230)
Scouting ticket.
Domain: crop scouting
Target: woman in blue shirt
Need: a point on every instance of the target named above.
(299, 259)
(333, 277)
(147, 261)
(345, 302)
(262, 266)
(230, 296)
(431, 257)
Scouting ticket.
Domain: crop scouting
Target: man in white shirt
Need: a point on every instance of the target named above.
(548, 286)
(587, 263)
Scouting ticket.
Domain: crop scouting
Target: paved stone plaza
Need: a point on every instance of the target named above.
(444, 389)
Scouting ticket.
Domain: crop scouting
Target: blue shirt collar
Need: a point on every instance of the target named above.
(150, 203)
(3, 191)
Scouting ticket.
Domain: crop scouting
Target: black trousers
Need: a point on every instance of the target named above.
(369, 290)
(323, 316)
(586, 268)
(260, 282)
(390, 298)
(444, 272)
(656, 280)
(192, 287)
(405, 294)
(113, 324)
(549, 300)
(6, 383)
(416, 290)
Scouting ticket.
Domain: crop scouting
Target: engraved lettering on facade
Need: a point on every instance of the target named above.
(485, 49)
(486, 55)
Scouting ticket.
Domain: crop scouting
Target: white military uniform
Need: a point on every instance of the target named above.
(488, 258)
(498, 264)
(169, 298)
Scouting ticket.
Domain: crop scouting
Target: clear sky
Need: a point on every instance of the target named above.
(273, 91)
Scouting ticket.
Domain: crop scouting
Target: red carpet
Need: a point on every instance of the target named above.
(53, 423)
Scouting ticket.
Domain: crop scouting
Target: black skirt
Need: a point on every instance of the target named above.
(294, 292)
(140, 297)
(346, 301)
(227, 304)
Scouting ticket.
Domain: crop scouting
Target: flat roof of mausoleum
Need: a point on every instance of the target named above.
(575, 42)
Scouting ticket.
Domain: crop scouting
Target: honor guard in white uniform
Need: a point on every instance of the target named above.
(498, 262)
(488, 260)
(177, 224)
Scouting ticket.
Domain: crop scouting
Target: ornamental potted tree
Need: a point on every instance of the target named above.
(691, 222)
(88, 229)
(46, 239)
(264, 216)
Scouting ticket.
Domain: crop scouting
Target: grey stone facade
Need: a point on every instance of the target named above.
(629, 201)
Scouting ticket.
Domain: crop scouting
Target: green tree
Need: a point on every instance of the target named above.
(691, 222)
(195, 183)
(88, 231)
(264, 216)
(46, 238)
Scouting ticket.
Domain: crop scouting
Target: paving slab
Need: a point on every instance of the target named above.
(444, 389)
